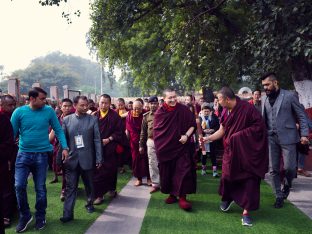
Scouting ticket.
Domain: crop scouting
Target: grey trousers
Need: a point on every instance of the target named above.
(72, 178)
(289, 153)
(152, 162)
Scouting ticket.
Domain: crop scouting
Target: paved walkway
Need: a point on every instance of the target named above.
(125, 213)
(301, 194)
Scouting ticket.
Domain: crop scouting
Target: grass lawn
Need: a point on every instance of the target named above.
(82, 220)
(207, 218)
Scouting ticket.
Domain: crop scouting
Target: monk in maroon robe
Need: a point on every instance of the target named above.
(6, 147)
(245, 158)
(66, 109)
(105, 178)
(139, 161)
(123, 149)
(7, 106)
(174, 123)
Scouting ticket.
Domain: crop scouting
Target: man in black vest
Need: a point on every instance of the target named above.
(281, 111)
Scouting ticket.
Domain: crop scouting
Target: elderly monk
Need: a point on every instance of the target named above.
(245, 158)
(139, 161)
(123, 149)
(105, 178)
(174, 123)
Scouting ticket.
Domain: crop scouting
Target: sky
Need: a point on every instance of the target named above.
(29, 30)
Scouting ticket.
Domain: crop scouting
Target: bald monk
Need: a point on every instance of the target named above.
(174, 123)
(110, 125)
(245, 157)
(133, 128)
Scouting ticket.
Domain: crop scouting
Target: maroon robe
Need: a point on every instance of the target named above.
(105, 178)
(139, 161)
(6, 153)
(9, 198)
(245, 158)
(176, 164)
(123, 149)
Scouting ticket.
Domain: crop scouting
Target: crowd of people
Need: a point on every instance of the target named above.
(163, 141)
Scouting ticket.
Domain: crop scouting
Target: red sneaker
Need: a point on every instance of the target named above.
(184, 204)
(171, 199)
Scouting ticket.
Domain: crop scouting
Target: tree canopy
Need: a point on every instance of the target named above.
(60, 69)
(203, 42)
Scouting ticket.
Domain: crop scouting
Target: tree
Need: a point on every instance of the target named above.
(189, 43)
(60, 69)
(280, 39)
(48, 75)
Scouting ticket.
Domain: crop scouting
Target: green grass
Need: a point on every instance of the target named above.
(207, 218)
(82, 219)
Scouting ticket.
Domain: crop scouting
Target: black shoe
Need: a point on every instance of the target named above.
(279, 202)
(285, 191)
(40, 224)
(22, 224)
(66, 219)
(90, 208)
(225, 205)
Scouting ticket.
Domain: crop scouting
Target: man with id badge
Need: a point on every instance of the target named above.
(85, 153)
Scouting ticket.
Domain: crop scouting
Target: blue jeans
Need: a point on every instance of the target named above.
(37, 164)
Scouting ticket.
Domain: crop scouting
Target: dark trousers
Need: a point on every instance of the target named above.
(72, 178)
(9, 198)
(212, 155)
(289, 158)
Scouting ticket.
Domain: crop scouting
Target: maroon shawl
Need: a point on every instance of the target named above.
(133, 125)
(168, 128)
(245, 143)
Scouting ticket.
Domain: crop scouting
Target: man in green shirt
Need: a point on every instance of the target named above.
(32, 122)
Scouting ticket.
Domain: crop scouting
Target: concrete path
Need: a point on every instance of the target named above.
(125, 213)
(301, 194)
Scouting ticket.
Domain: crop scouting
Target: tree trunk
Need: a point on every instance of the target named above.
(302, 77)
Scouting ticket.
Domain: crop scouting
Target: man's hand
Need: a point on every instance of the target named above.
(141, 150)
(304, 140)
(98, 165)
(206, 139)
(64, 155)
(105, 141)
(183, 139)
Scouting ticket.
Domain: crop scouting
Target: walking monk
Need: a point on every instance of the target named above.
(139, 161)
(105, 178)
(174, 123)
(245, 158)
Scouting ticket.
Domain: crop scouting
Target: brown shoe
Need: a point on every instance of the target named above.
(138, 183)
(303, 173)
(154, 190)
(98, 201)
